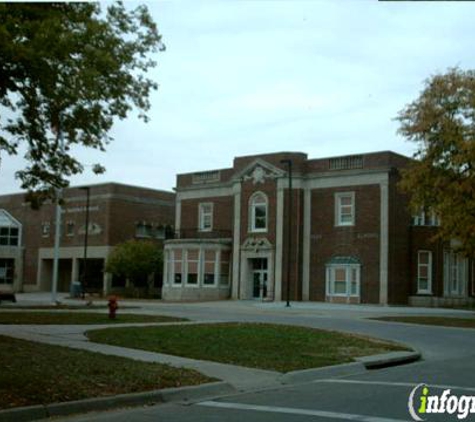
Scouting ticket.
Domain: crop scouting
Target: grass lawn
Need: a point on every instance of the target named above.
(34, 373)
(70, 318)
(267, 346)
(432, 320)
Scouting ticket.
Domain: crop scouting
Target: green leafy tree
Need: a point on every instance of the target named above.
(135, 260)
(70, 66)
(442, 177)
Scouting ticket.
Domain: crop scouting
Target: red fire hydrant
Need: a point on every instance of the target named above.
(113, 306)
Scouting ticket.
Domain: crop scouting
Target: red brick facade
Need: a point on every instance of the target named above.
(352, 236)
(115, 211)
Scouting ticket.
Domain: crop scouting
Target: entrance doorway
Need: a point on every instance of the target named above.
(259, 273)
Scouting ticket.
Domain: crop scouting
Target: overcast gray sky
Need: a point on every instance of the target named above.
(248, 77)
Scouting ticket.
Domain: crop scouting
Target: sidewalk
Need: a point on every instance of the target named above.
(241, 378)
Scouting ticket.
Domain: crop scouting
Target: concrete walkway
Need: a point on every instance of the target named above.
(73, 336)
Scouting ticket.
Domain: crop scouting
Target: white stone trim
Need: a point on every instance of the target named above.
(207, 192)
(279, 232)
(237, 241)
(178, 214)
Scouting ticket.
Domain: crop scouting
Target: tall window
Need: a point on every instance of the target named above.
(424, 272)
(192, 266)
(258, 212)
(9, 236)
(209, 267)
(343, 279)
(455, 274)
(6, 271)
(176, 256)
(224, 270)
(206, 217)
(345, 209)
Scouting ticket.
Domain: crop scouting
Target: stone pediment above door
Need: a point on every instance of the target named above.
(259, 171)
(256, 244)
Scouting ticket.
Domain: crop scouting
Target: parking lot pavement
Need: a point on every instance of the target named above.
(377, 396)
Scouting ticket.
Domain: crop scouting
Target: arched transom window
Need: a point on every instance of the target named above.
(258, 212)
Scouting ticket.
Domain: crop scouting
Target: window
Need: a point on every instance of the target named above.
(45, 228)
(6, 271)
(205, 217)
(177, 260)
(160, 232)
(209, 268)
(424, 272)
(192, 262)
(9, 236)
(343, 277)
(455, 274)
(70, 228)
(206, 177)
(346, 163)
(258, 212)
(143, 230)
(224, 270)
(345, 209)
(425, 218)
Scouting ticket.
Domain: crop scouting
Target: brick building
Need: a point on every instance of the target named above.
(117, 213)
(352, 237)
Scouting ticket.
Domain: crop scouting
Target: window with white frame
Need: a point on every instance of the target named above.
(424, 272)
(192, 264)
(45, 228)
(209, 278)
(6, 271)
(224, 270)
(425, 218)
(455, 274)
(345, 209)
(343, 279)
(9, 236)
(143, 229)
(258, 212)
(205, 217)
(176, 256)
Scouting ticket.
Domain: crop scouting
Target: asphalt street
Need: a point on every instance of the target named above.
(370, 396)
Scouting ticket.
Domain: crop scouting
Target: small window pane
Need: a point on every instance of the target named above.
(340, 287)
(423, 257)
(340, 274)
(192, 278)
(208, 278)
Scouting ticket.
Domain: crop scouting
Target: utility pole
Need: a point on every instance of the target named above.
(289, 226)
(57, 233)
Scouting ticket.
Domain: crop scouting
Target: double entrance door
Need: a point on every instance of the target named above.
(259, 274)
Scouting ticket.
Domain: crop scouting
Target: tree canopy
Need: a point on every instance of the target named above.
(441, 121)
(135, 259)
(71, 66)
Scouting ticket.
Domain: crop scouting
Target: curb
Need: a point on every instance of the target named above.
(31, 413)
(347, 369)
(308, 375)
(389, 359)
